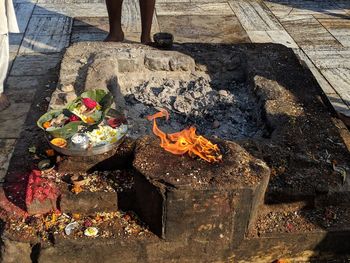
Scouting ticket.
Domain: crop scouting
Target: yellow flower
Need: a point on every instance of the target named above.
(90, 120)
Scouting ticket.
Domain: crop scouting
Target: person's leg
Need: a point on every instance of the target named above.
(4, 62)
(147, 10)
(114, 8)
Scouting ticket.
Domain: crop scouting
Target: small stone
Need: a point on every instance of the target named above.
(70, 97)
(216, 124)
(223, 93)
(197, 94)
(48, 99)
(67, 88)
(83, 61)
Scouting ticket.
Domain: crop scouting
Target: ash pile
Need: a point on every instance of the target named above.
(230, 113)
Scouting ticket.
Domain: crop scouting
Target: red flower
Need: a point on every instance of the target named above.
(89, 103)
(74, 118)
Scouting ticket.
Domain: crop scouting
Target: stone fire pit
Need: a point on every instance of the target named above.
(280, 190)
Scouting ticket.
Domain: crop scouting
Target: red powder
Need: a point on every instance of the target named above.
(40, 189)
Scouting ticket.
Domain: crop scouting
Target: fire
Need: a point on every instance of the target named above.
(185, 141)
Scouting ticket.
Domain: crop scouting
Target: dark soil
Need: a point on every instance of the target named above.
(238, 167)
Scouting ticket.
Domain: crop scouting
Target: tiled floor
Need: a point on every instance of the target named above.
(318, 32)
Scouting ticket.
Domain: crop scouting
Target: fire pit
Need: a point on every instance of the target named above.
(247, 145)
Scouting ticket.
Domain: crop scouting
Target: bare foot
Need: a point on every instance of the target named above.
(146, 40)
(114, 37)
(4, 102)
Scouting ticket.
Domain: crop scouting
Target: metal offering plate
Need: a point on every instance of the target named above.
(78, 145)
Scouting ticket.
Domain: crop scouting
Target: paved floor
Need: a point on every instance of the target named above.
(318, 32)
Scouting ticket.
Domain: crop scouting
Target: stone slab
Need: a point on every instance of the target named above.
(22, 89)
(6, 150)
(12, 120)
(49, 25)
(131, 18)
(35, 64)
(339, 78)
(307, 32)
(44, 43)
(277, 37)
(91, 24)
(69, 1)
(180, 9)
(23, 13)
(325, 58)
(72, 10)
(204, 29)
(24, 1)
(88, 37)
(21, 95)
(339, 28)
(15, 41)
(254, 16)
(318, 9)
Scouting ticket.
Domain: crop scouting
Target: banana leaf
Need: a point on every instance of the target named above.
(105, 99)
(65, 132)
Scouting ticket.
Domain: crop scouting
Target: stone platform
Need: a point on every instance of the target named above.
(185, 210)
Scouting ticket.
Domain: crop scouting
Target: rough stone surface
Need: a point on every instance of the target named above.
(38, 207)
(88, 202)
(14, 252)
(188, 199)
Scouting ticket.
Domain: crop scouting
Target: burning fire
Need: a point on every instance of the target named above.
(185, 141)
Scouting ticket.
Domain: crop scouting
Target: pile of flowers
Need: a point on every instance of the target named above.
(88, 115)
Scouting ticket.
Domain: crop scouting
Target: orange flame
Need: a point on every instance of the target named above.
(185, 141)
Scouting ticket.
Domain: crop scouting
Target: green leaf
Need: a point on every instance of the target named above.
(105, 99)
(32, 149)
(96, 94)
(65, 132)
(48, 116)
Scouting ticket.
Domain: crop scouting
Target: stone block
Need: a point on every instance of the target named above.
(128, 62)
(157, 61)
(59, 100)
(92, 251)
(268, 89)
(181, 63)
(100, 72)
(185, 199)
(88, 202)
(14, 252)
(37, 207)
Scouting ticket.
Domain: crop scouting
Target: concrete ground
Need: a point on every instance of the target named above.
(318, 32)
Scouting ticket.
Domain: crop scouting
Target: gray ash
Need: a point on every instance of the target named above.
(228, 113)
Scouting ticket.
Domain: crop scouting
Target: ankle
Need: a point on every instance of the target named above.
(115, 36)
(146, 38)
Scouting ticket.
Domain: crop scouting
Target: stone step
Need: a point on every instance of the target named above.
(132, 247)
